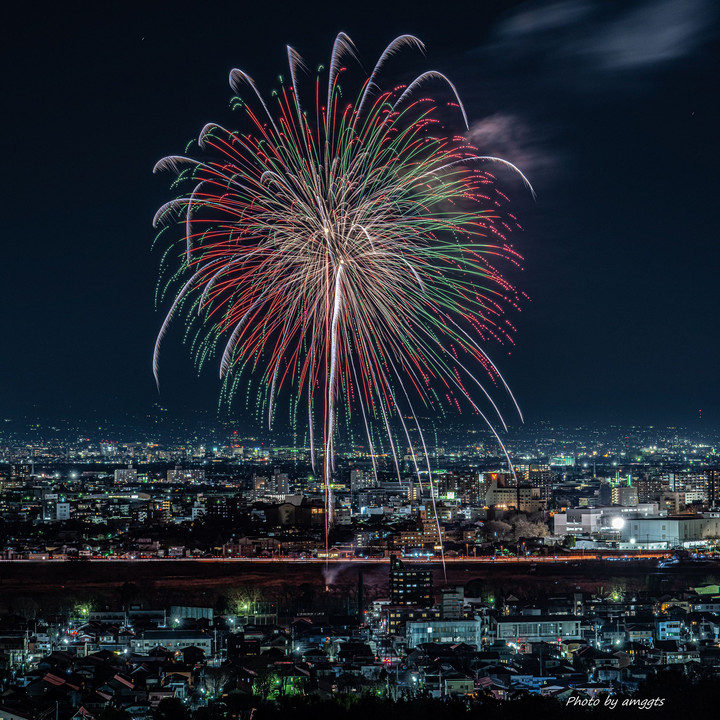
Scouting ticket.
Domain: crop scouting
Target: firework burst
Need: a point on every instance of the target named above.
(348, 253)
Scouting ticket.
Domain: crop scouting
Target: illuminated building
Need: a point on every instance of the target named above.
(525, 629)
(409, 586)
(186, 476)
(625, 496)
(125, 475)
(540, 476)
(444, 631)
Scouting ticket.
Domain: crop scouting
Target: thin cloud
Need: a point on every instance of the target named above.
(508, 136)
(551, 17)
(604, 38)
(658, 32)
(557, 60)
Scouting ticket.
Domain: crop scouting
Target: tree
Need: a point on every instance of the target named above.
(111, 713)
(497, 530)
(214, 711)
(266, 680)
(241, 598)
(127, 593)
(25, 607)
(171, 709)
(216, 678)
(523, 527)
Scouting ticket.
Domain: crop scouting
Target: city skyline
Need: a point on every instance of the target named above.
(616, 137)
(448, 443)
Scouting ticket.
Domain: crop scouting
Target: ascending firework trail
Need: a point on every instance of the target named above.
(347, 253)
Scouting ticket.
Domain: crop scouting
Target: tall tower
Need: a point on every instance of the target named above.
(409, 586)
(712, 478)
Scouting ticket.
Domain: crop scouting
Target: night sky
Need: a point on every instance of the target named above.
(611, 109)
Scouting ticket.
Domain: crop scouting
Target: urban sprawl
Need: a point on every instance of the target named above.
(645, 498)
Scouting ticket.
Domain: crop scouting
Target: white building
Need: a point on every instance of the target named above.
(171, 640)
(673, 531)
(444, 631)
(186, 475)
(125, 475)
(522, 629)
(669, 629)
(589, 521)
(523, 497)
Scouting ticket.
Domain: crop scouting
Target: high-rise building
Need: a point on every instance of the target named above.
(414, 493)
(125, 475)
(712, 478)
(224, 507)
(624, 495)
(409, 586)
(186, 475)
(501, 479)
(650, 487)
(276, 485)
(540, 476)
(451, 603)
(683, 481)
(361, 480)
(523, 498)
(467, 487)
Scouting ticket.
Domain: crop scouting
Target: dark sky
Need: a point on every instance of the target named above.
(611, 108)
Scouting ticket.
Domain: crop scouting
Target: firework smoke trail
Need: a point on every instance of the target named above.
(346, 255)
